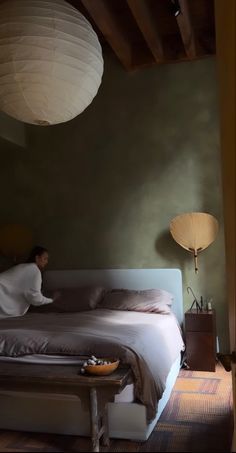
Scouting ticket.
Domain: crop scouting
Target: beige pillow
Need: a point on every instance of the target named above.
(148, 301)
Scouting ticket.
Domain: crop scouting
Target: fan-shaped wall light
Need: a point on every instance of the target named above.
(194, 231)
(51, 61)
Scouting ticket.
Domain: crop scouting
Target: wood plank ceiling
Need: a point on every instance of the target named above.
(147, 32)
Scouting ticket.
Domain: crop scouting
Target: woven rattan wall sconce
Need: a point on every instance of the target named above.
(194, 231)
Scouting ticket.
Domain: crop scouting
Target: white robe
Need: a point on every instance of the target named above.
(20, 287)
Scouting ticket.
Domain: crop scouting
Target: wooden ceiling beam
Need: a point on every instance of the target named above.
(107, 23)
(146, 23)
(186, 29)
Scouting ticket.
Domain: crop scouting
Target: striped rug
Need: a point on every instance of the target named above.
(197, 418)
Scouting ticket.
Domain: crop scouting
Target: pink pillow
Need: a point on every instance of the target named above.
(148, 301)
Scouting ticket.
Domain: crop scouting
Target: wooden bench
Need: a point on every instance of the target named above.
(93, 391)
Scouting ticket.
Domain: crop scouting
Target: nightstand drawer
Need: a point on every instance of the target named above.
(200, 322)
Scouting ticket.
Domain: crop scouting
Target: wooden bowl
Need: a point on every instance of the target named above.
(102, 370)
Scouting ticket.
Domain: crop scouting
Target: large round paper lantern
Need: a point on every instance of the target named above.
(15, 240)
(51, 61)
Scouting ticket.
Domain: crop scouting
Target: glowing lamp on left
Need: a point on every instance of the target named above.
(15, 241)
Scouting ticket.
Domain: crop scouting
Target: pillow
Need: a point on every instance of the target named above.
(147, 301)
(72, 300)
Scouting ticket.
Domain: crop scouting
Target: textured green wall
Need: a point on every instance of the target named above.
(100, 190)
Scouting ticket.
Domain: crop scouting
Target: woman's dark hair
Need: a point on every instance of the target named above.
(36, 251)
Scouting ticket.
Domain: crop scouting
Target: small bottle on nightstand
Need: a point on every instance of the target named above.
(209, 305)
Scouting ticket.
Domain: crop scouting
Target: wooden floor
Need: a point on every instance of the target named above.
(197, 418)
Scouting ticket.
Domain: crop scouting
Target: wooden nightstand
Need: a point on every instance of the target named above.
(200, 332)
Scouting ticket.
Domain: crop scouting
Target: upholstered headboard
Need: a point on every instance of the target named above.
(168, 279)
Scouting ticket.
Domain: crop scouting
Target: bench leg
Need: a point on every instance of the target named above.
(94, 419)
(105, 436)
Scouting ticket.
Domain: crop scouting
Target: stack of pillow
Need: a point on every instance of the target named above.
(90, 297)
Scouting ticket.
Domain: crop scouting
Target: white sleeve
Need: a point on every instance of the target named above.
(34, 295)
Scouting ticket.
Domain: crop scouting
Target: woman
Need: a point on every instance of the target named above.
(20, 286)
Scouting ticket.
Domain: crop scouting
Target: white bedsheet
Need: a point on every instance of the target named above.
(44, 359)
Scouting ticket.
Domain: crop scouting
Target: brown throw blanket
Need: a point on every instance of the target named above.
(149, 343)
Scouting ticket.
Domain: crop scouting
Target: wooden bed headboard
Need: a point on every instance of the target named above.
(168, 279)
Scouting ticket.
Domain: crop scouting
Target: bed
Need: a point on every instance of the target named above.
(129, 417)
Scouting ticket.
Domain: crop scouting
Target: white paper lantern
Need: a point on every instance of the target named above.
(51, 61)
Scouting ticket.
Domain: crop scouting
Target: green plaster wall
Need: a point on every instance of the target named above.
(100, 190)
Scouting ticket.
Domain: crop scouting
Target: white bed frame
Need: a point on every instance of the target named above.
(64, 415)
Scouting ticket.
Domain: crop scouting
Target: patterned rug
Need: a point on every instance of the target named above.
(197, 418)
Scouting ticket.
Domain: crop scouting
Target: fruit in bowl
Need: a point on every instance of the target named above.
(99, 367)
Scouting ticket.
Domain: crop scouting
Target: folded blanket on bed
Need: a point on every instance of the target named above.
(149, 343)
